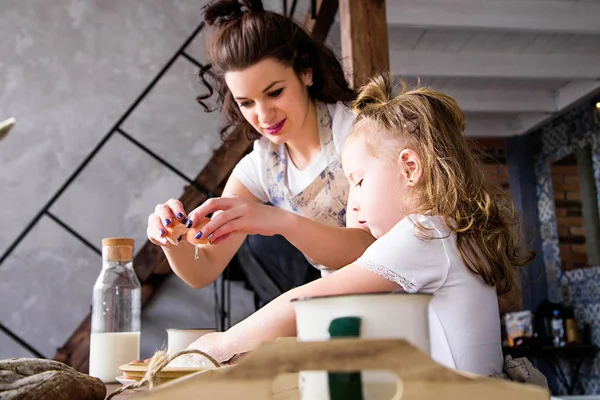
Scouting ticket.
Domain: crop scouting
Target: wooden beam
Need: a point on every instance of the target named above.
(365, 50)
(495, 65)
(150, 264)
(326, 12)
(522, 16)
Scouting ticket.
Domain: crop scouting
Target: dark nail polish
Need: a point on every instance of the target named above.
(167, 222)
(184, 221)
(180, 215)
(190, 223)
(198, 235)
(161, 232)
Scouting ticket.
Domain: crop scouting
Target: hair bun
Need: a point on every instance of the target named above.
(224, 11)
(253, 5)
(377, 92)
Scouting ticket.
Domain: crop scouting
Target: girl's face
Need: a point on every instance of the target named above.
(379, 188)
(272, 98)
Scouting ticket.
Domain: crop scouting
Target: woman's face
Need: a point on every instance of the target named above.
(272, 98)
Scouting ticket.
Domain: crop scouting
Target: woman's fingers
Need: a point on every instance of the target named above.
(211, 206)
(219, 221)
(163, 218)
(156, 231)
(231, 226)
(177, 209)
(220, 239)
(165, 213)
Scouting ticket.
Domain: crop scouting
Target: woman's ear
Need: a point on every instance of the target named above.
(411, 167)
(307, 77)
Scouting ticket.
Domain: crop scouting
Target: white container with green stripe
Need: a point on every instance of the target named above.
(370, 315)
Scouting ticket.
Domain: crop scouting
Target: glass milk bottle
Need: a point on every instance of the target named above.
(116, 311)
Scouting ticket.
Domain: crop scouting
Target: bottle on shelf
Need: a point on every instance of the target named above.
(558, 329)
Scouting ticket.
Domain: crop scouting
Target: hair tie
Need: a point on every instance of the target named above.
(231, 16)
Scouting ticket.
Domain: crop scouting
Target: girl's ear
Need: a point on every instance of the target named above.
(411, 167)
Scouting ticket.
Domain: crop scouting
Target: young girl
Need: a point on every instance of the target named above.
(440, 229)
(278, 85)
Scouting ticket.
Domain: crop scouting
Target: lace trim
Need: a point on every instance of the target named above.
(388, 274)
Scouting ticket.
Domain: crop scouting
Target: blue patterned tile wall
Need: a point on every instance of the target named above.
(579, 288)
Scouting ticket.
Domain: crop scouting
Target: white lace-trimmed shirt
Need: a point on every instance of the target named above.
(464, 321)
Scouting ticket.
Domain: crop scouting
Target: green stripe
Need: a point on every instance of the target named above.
(345, 385)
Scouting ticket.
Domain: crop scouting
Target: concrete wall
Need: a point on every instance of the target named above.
(69, 71)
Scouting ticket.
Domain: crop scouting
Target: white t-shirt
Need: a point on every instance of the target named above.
(251, 170)
(464, 321)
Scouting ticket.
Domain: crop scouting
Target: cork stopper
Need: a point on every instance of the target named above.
(117, 249)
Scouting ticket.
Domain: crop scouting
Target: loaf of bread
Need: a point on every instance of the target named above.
(36, 379)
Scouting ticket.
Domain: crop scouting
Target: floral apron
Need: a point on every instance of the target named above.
(324, 200)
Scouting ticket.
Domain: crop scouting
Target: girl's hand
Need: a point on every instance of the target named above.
(162, 218)
(237, 215)
(216, 344)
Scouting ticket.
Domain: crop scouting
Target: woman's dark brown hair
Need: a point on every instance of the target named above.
(245, 34)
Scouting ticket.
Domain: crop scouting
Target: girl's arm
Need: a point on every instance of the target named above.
(278, 319)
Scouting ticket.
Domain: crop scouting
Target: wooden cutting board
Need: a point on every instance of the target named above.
(269, 372)
(137, 370)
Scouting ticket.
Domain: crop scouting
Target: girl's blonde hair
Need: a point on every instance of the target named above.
(452, 184)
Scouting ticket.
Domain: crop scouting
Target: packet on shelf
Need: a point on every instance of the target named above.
(518, 325)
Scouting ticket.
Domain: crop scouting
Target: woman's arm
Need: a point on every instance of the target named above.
(278, 319)
(333, 247)
(238, 213)
(212, 258)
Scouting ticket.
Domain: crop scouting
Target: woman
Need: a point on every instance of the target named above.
(280, 86)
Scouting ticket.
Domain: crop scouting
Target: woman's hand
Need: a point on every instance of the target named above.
(162, 218)
(237, 214)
